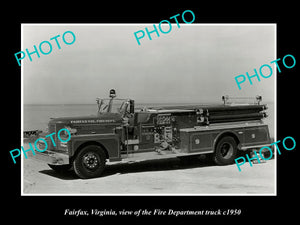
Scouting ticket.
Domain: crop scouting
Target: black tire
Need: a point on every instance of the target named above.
(89, 162)
(60, 168)
(226, 151)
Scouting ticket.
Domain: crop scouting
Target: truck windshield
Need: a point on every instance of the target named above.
(112, 105)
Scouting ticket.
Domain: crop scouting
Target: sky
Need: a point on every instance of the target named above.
(195, 63)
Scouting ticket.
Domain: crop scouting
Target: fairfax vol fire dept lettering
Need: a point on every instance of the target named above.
(121, 133)
(92, 121)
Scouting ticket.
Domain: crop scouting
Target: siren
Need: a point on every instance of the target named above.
(112, 93)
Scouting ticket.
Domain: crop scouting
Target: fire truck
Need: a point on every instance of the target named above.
(121, 133)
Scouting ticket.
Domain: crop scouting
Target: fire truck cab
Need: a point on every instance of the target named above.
(121, 133)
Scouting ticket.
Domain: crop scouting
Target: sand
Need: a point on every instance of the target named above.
(155, 177)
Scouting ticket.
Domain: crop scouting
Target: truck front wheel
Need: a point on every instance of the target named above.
(226, 151)
(89, 162)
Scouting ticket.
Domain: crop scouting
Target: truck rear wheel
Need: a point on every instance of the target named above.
(226, 151)
(89, 162)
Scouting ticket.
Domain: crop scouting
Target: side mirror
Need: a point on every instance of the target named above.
(131, 107)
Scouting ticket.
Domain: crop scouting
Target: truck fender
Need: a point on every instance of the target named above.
(226, 133)
(110, 145)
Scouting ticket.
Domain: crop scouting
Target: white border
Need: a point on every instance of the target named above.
(142, 24)
(275, 112)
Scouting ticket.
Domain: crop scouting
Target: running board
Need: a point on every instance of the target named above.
(153, 155)
(244, 148)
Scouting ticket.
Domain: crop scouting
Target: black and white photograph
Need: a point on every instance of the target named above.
(129, 109)
(149, 114)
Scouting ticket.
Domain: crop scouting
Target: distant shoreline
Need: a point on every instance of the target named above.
(150, 103)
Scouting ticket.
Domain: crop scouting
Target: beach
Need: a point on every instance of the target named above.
(155, 177)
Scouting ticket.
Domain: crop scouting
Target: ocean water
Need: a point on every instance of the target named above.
(36, 117)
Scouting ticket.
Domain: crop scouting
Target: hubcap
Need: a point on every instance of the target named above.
(226, 150)
(90, 160)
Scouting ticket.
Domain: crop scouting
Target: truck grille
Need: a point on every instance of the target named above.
(51, 129)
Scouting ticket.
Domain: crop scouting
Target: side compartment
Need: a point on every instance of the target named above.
(193, 140)
(255, 136)
(205, 138)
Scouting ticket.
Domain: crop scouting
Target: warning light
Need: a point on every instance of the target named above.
(112, 93)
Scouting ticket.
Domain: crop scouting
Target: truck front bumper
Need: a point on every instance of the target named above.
(51, 157)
